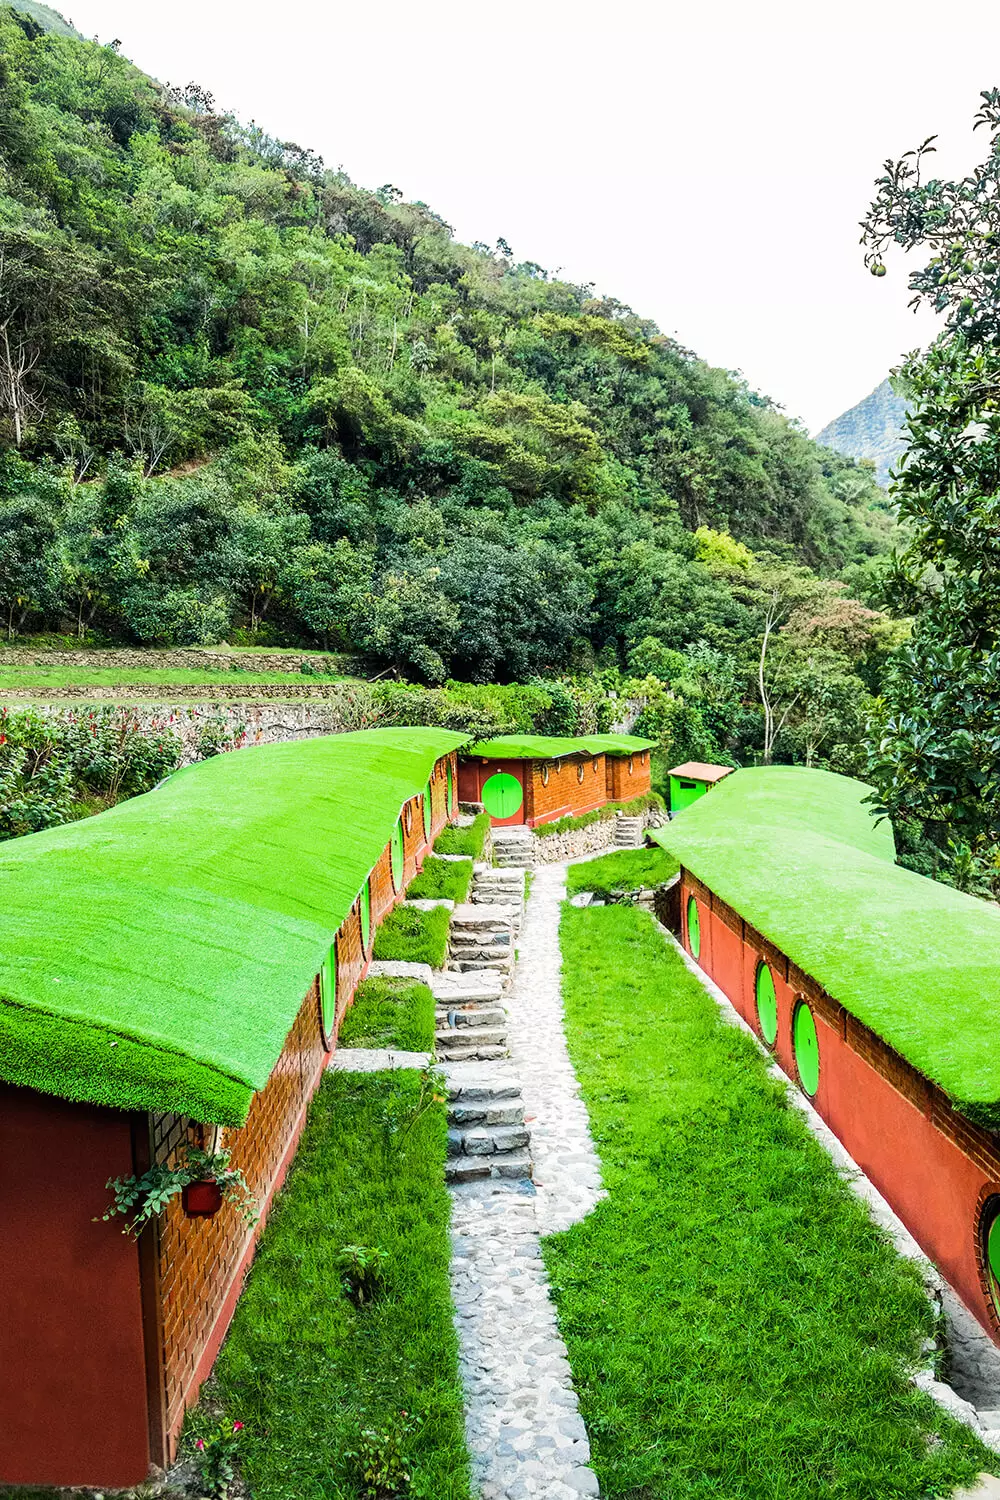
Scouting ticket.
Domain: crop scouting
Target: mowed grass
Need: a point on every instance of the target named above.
(738, 1328)
(468, 840)
(303, 1367)
(627, 870)
(442, 880)
(409, 935)
(390, 1013)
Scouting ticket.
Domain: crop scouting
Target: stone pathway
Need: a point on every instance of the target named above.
(524, 1430)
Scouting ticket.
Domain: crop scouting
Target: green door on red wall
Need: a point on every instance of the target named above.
(501, 791)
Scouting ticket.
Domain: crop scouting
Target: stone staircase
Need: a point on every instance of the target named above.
(471, 1023)
(493, 887)
(487, 1134)
(482, 939)
(630, 833)
(514, 846)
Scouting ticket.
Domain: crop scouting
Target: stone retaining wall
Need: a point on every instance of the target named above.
(187, 659)
(553, 848)
(238, 692)
(251, 724)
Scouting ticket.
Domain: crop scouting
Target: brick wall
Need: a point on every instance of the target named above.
(555, 789)
(937, 1169)
(198, 1264)
(628, 776)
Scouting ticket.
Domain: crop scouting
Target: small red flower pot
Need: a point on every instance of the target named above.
(202, 1199)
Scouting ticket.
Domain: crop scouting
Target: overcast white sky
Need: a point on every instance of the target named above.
(705, 161)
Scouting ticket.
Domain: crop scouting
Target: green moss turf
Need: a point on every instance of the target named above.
(155, 956)
(797, 854)
(550, 747)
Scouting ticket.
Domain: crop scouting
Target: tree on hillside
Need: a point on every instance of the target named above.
(935, 742)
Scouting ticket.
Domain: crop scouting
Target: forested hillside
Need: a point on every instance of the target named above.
(241, 397)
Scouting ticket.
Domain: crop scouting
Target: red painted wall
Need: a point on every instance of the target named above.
(473, 774)
(72, 1370)
(932, 1166)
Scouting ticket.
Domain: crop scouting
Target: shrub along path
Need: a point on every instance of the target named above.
(737, 1325)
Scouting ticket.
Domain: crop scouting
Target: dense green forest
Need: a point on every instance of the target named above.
(242, 398)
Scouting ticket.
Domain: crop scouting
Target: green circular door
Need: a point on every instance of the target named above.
(451, 791)
(428, 813)
(806, 1045)
(694, 928)
(502, 795)
(993, 1259)
(767, 1005)
(328, 995)
(366, 915)
(396, 856)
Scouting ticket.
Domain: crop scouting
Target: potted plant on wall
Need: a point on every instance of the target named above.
(204, 1180)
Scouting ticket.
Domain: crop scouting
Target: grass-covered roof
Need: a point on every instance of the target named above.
(796, 853)
(555, 747)
(155, 956)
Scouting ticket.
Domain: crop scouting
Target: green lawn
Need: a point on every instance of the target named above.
(390, 1013)
(409, 935)
(442, 880)
(303, 1367)
(737, 1326)
(625, 870)
(468, 840)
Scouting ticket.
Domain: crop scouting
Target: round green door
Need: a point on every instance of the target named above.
(694, 928)
(451, 791)
(502, 795)
(328, 994)
(366, 915)
(767, 1005)
(806, 1045)
(993, 1260)
(428, 813)
(396, 856)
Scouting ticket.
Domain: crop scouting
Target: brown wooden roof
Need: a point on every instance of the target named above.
(699, 770)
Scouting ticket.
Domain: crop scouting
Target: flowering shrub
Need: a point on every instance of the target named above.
(214, 1455)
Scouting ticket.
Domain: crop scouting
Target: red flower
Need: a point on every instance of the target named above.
(237, 1426)
(200, 1444)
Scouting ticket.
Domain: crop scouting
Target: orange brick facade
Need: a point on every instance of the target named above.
(938, 1170)
(193, 1269)
(628, 776)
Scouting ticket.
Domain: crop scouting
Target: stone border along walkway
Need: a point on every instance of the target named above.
(972, 1358)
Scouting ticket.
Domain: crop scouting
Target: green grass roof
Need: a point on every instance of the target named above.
(555, 747)
(155, 956)
(796, 854)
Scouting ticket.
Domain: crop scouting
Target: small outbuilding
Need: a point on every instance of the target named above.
(692, 780)
(532, 779)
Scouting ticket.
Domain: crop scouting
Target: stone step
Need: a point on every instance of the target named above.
(479, 965)
(454, 1017)
(514, 1164)
(465, 1050)
(476, 987)
(486, 1112)
(465, 1039)
(487, 1140)
(474, 917)
(468, 1083)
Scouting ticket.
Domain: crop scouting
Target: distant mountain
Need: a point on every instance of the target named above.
(47, 19)
(872, 429)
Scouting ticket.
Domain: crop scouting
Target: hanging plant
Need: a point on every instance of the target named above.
(203, 1178)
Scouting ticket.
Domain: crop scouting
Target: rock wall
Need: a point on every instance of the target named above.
(190, 659)
(553, 848)
(248, 724)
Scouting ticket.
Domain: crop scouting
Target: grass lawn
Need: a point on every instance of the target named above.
(737, 1326)
(409, 935)
(390, 1013)
(303, 1367)
(442, 880)
(626, 870)
(468, 840)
